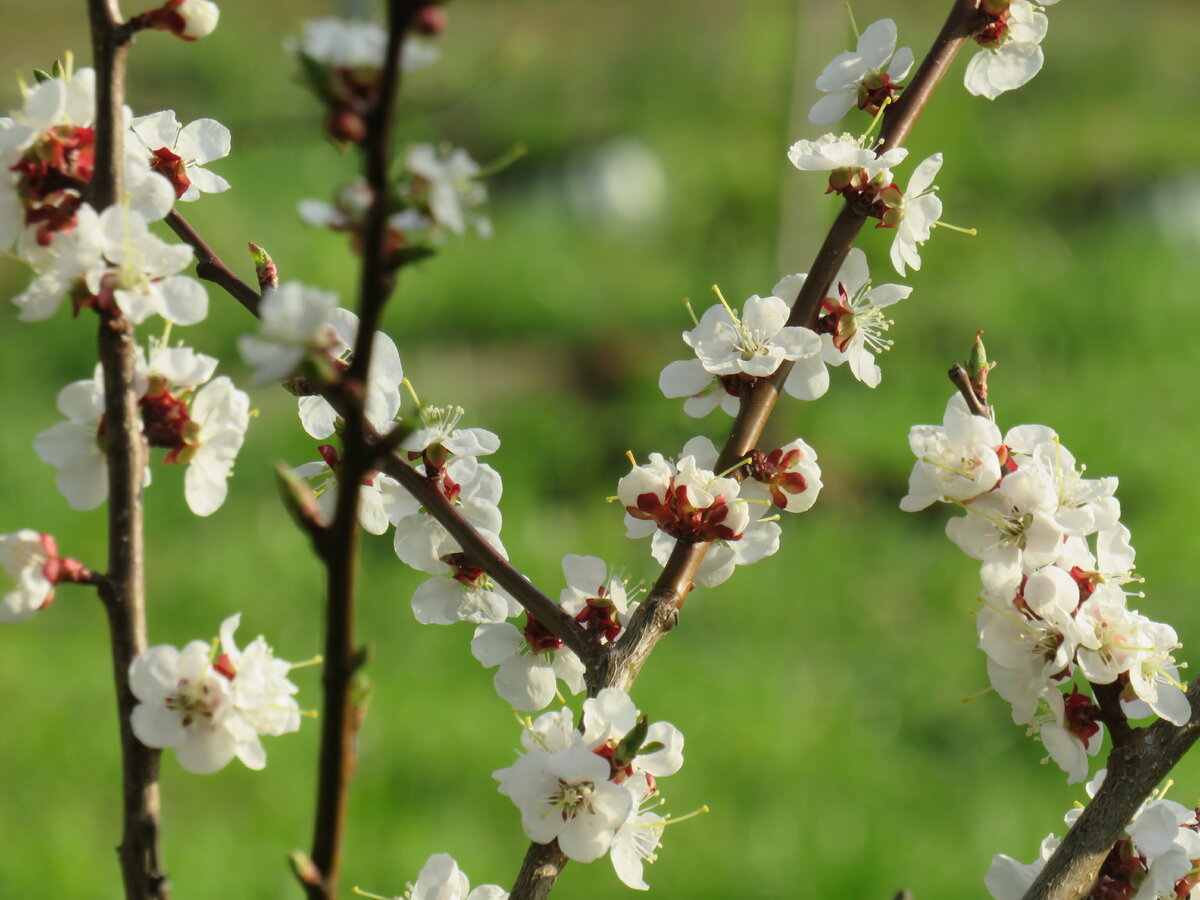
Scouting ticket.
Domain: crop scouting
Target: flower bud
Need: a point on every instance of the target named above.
(430, 20)
(199, 18)
(346, 126)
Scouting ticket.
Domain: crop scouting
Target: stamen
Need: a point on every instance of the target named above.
(853, 24)
(503, 161)
(737, 465)
(687, 302)
(315, 661)
(968, 231)
(362, 893)
(632, 459)
(736, 321)
(412, 393)
(875, 121)
(667, 820)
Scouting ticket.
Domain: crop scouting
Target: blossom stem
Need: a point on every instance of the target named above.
(660, 610)
(122, 589)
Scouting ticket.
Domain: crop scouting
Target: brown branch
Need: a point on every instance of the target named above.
(545, 610)
(1134, 770)
(962, 380)
(210, 267)
(659, 612)
(122, 590)
(339, 550)
(565, 628)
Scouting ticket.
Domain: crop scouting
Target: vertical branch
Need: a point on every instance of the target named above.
(339, 544)
(123, 591)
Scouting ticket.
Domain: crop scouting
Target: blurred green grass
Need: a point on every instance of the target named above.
(820, 689)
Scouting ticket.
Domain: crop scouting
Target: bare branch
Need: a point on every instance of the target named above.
(122, 589)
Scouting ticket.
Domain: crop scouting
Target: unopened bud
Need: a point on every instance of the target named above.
(187, 19)
(264, 267)
(346, 126)
(200, 18)
(430, 20)
(978, 367)
(304, 868)
(299, 500)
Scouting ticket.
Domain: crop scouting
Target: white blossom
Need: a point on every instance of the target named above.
(180, 152)
(1013, 55)
(921, 208)
(293, 322)
(754, 343)
(211, 710)
(566, 795)
(24, 555)
(852, 74)
(319, 418)
(830, 152)
(527, 677)
(956, 461)
(73, 447)
(448, 183)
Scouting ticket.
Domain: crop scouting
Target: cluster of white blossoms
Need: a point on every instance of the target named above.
(732, 351)
(199, 420)
(300, 323)
(594, 789)
(1054, 560)
(859, 171)
(210, 707)
(1157, 856)
(439, 191)
(687, 501)
(441, 879)
(341, 61)
(112, 262)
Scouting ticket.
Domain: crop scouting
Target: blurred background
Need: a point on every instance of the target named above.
(821, 691)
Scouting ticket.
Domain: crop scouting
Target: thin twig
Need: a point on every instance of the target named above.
(210, 267)
(961, 379)
(122, 589)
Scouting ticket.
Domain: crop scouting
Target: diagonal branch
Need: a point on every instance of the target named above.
(1135, 768)
(659, 612)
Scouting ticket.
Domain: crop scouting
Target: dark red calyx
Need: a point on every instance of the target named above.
(599, 616)
(165, 421)
(772, 470)
(875, 90)
(430, 20)
(994, 31)
(172, 168)
(538, 636)
(1082, 716)
(463, 570)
